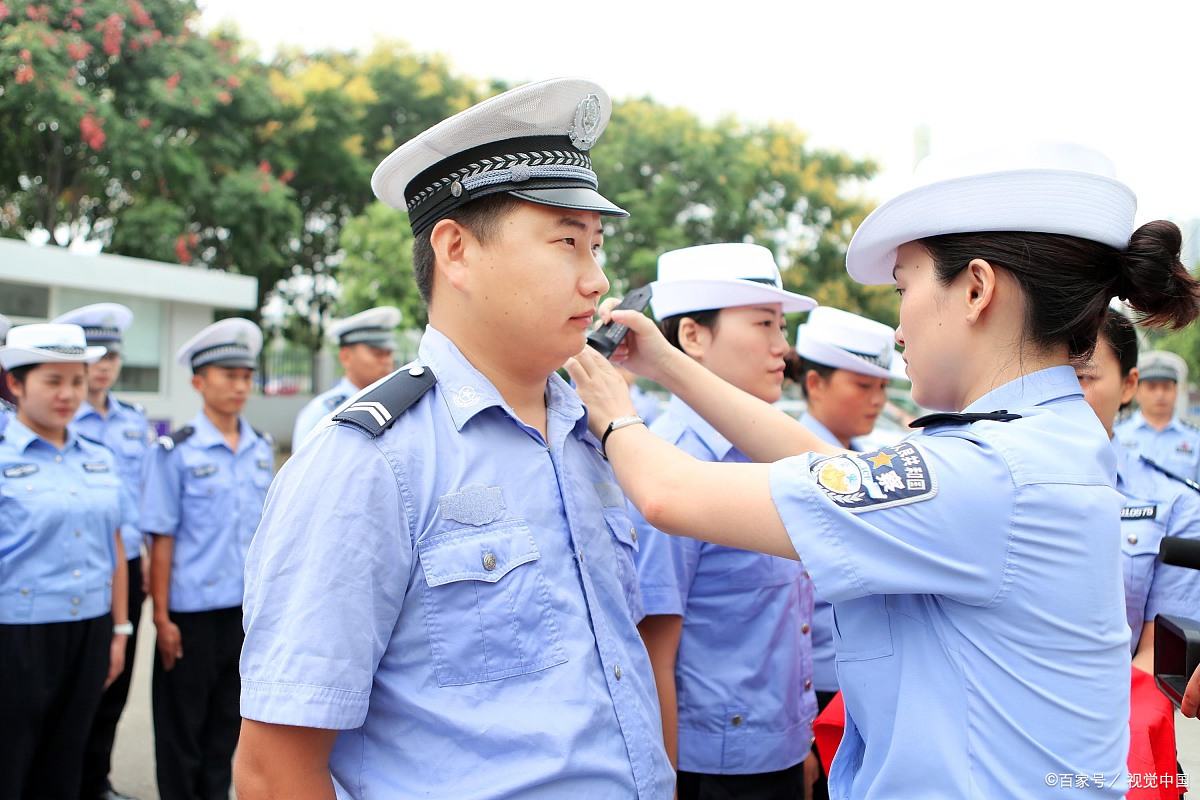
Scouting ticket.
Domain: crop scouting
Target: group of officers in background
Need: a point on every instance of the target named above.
(93, 504)
(449, 545)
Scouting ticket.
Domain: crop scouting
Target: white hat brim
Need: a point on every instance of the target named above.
(838, 358)
(681, 297)
(12, 357)
(1081, 204)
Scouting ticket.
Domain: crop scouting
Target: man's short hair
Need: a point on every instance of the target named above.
(481, 217)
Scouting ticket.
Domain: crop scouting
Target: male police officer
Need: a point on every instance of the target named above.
(441, 597)
(204, 491)
(1153, 430)
(122, 428)
(366, 347)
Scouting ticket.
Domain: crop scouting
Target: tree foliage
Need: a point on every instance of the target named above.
(121, 122)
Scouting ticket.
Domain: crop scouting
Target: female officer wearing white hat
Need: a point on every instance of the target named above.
(846, 364)
(727, 630)
(366, 348)
(982, 646)
(121, 427)
(63, 621)
(204, 490)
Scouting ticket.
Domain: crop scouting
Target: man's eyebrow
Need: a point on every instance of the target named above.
(572, 222)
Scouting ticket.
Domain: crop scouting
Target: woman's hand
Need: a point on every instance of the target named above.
(644, 349)
(601, 388)
(116, 658)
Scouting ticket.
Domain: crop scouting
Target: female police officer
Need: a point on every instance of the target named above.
(744, 719)
(62, 566)
(982, 649)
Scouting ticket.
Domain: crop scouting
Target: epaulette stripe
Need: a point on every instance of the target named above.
(1191, 484)
(379, 408)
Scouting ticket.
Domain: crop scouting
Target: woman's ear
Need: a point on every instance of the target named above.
(979, 287)
(694, 339)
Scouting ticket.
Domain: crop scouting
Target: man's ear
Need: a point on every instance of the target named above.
(694, 338)
(978, 287)
(453, 247)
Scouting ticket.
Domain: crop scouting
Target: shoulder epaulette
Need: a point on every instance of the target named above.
(1191, 484)
(138, 407)
(266, 437)
(377, 409)
(1189, 424)
(962, 419)
(169, 441)
(90, 440)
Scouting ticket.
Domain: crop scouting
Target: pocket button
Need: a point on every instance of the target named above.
(489, 562)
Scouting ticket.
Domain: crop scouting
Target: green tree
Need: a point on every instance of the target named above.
(378, 268)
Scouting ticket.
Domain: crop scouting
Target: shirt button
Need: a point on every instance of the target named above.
(806, 573)
(579, 555)
(417, 372)
(77, 573)
(74, 612)
(807, 685)
(617, 672)
(737, 720)
(74, 601)
(804, 628)
(489, 562)
(1133, 538)
(633, 534)
(71, 490)
(25, 592)
(78, 534)
(58, 459)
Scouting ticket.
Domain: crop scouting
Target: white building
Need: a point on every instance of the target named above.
(170, 304)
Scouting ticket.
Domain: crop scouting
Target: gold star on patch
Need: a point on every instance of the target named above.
(881, 459)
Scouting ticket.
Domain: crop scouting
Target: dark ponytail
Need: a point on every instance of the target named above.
(1154, 281)
(1067, 282)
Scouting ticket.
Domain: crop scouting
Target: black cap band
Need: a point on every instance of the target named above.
(525, 163)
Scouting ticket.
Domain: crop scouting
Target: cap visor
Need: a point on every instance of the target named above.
(833, 356)
(580, 198)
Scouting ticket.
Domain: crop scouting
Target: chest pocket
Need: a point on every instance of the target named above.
(487, 605)
(625, 544)
(864, 629)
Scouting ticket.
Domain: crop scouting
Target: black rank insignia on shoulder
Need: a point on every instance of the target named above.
(946, 418)
(1191, 484)
(890, 476)
(168, 442)
(377, 409)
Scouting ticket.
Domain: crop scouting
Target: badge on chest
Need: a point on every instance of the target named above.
(20, 470)
(204, 470)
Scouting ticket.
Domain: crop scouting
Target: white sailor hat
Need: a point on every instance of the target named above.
(842, 340)
(233, 342)
(102, 323)
(374, 327)
(1038, 187)
(1160, 365)
(710, 276)
(47, 343)
(5, 324)
(531, 142)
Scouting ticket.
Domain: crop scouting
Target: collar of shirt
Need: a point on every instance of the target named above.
(715, 442)
(467, 392)
(344, 386)
(22, 438)
(1138, 420)
(115, 409)
(207, 435)
(1034, 389)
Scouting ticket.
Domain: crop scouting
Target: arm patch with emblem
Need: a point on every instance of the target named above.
(890, 476)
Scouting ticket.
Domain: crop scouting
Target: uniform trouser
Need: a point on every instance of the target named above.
(97, 758)
(821, 787)
(195, 704)
(51, 677)
(786, 784)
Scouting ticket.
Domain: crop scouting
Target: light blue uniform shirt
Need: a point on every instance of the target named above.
(458, 598)
(645, 403)
(744, 668)
(1155, 506)
(7, 413)
(126, 433)
(980, 628)
(59, 514)
(210, 499)
(319, 407)
(824, 664)
(1176, 447)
